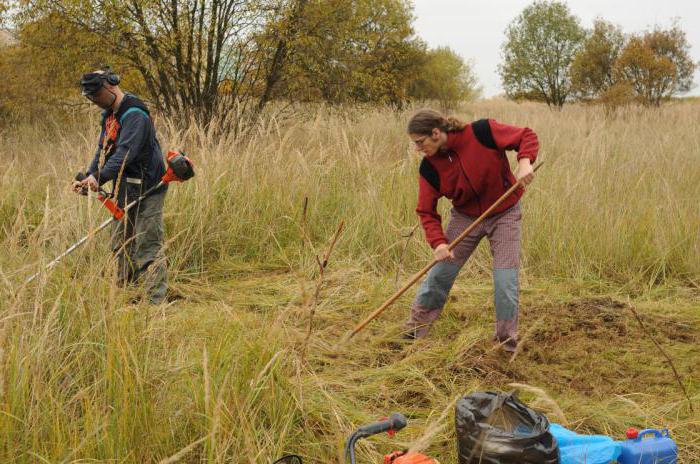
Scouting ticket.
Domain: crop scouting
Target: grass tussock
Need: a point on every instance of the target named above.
(218, 376)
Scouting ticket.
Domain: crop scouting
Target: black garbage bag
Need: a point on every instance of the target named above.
(496, 428)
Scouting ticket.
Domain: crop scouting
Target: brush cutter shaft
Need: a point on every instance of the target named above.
(425, 270)
(71, 249)
(106, 223)
(179, 169)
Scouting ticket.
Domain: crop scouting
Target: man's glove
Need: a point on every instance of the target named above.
(83, 182)
(77, 185)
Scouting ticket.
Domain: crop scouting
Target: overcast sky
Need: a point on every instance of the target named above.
(475, 29)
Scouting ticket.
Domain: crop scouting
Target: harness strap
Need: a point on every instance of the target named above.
(131, 110)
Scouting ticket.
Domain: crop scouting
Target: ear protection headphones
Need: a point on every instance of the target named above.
(91, 83)
(110, 76)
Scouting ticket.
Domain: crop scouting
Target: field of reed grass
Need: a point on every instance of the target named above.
(228, 370)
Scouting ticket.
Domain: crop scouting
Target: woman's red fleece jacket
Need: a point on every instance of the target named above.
(472, 170)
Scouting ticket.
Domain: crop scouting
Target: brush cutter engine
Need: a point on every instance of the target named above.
(180, 167)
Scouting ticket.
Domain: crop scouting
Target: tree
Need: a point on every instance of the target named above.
(650, 75)
(278, 61)
(540, 45)
(5, 6)
(657, 65)
(33, 57)
(592, 70)
(673, 44)
(444, 76)
(193, 57)
(353, 51)
(184, 50)
(50, 53)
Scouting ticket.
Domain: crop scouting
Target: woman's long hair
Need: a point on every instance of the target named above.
(424, 121)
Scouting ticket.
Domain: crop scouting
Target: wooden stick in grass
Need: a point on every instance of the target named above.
(319, 283)
(425, 270)
(665, 355)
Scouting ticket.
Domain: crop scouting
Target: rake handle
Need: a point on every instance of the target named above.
(429, 266)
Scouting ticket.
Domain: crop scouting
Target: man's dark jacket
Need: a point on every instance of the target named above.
(134, 145)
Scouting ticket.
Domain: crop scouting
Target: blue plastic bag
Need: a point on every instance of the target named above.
(584, 449)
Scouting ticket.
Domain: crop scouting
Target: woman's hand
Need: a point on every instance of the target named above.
(442, 252)
(525, 172)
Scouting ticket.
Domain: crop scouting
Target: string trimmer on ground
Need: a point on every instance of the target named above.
(391, 425)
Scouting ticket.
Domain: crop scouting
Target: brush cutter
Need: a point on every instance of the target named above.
(390, 425)
(179, 169)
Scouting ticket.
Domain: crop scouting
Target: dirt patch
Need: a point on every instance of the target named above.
(596, 346)
(672, 330)
(606, 319)
(595, 319)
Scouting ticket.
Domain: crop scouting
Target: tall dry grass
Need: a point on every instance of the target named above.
(216, 377)
(615, 202)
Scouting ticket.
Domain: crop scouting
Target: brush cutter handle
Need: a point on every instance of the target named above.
(103, 196)
(394, 423)
(79, 177)
(425, 270)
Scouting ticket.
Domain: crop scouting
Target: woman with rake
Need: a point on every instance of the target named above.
(467, 164)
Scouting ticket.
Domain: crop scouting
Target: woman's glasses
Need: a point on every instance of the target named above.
(420, 141)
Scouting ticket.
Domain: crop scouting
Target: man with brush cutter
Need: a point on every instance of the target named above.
(128, 154)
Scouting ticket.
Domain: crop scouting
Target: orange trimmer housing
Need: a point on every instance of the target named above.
(403, 457)
(116, 211)
(180, 167)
